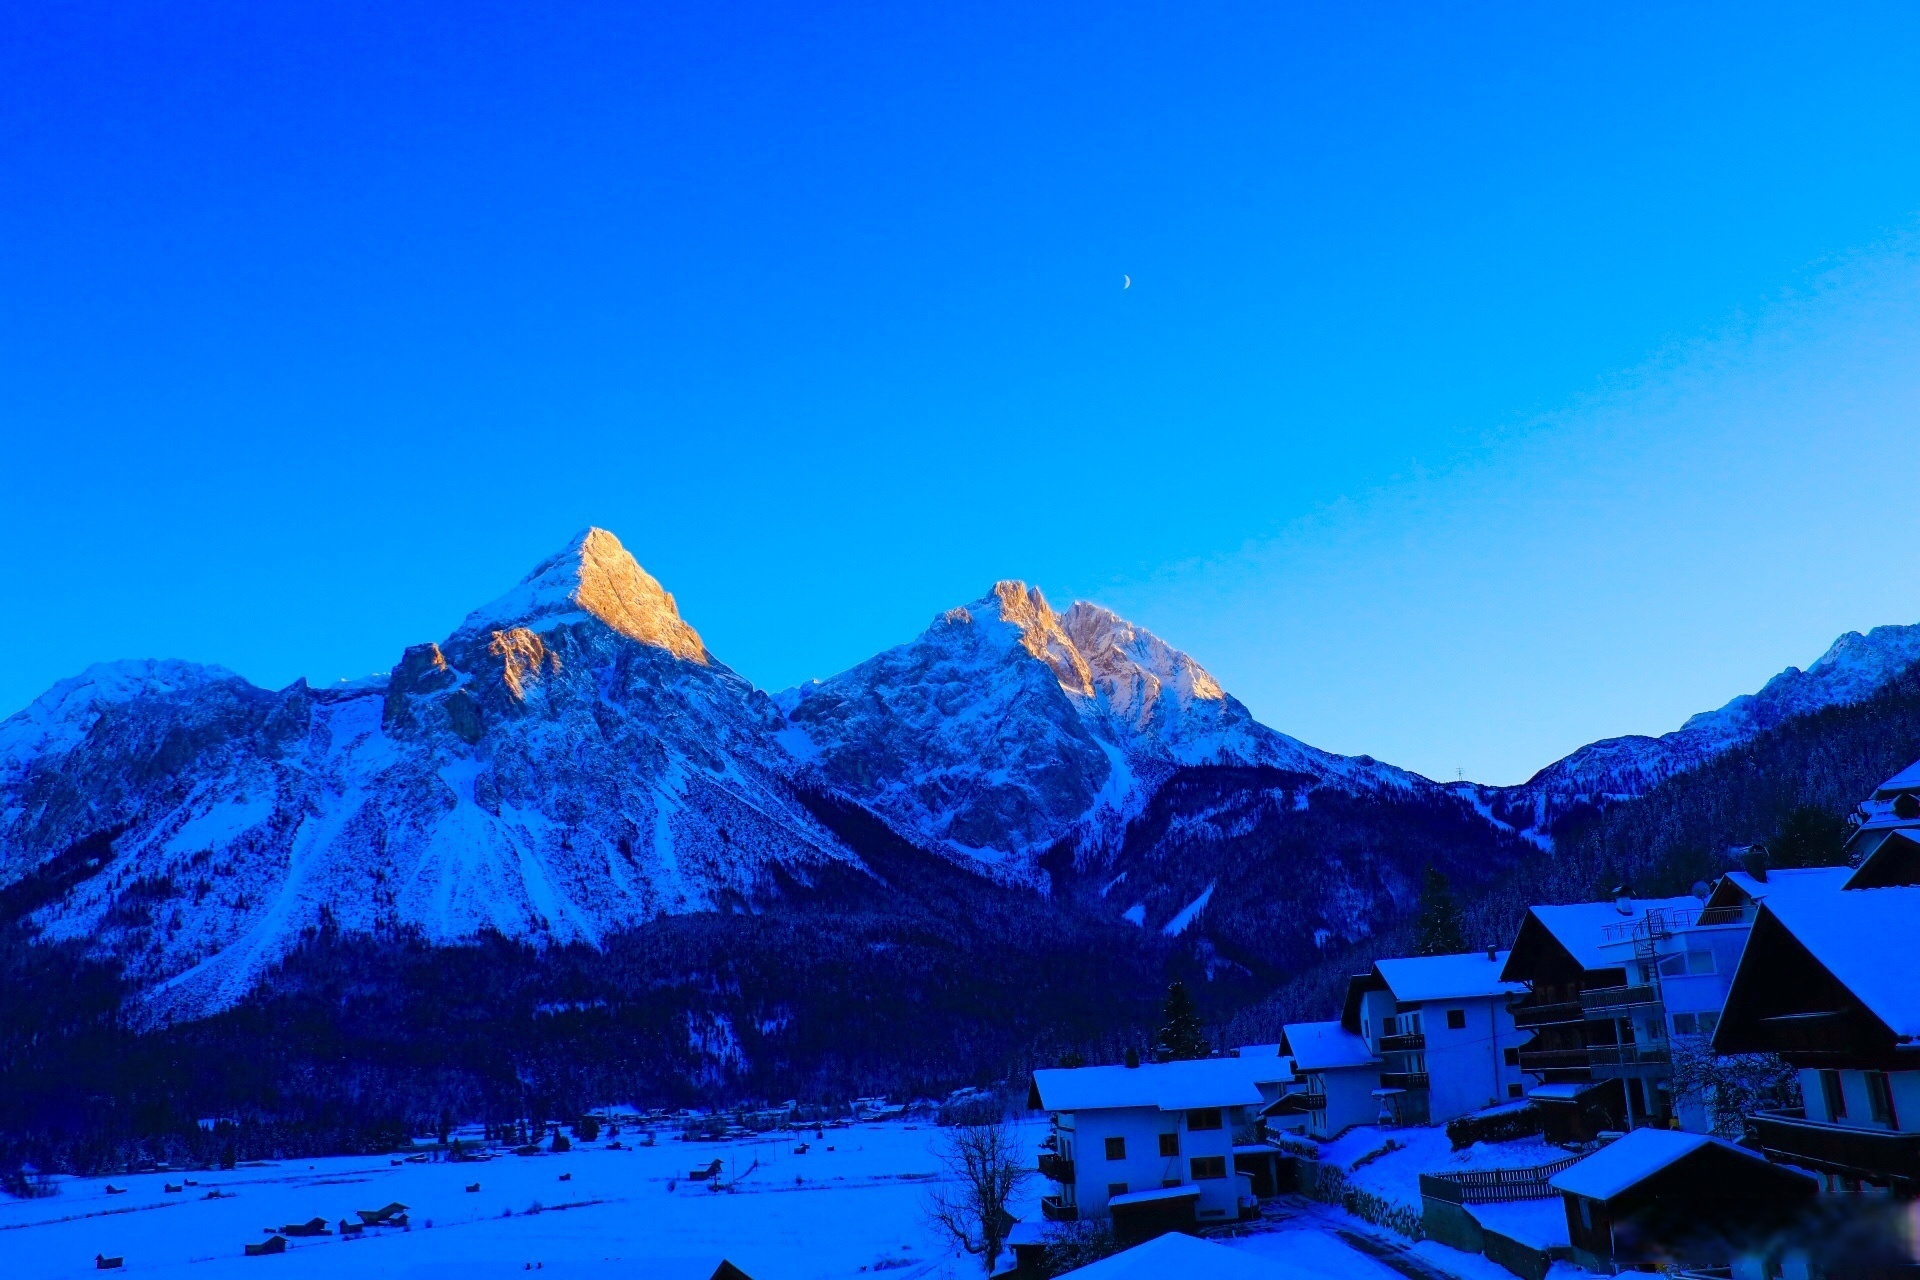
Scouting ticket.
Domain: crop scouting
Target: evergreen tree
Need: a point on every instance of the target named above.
(1809, 836)
(1181, 1037)
(1439, 926)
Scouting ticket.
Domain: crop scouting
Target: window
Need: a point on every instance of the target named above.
(1699, 962)
(1169, 1144)
(1880, 1099)
(1708, 1021)
(1207, 1118)
(1513, 1057)
(1116, 1189)
(1208, 1167)
(1684, 1024)
(1116, 1148)
(1586, 1213)
(1834, 1096)
(1513, 1091)
(1456, 1019)
(1674, 966)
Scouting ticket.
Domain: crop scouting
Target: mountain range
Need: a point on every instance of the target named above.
(572, 764)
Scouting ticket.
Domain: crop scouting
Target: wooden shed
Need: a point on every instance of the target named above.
(1660, 1196)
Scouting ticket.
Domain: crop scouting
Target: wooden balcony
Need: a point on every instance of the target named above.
(1547, 1013)
(1538, 1060)
(1403, 1079)
(1053, 1210)
(1610, 1002)
(1415, 1043)
(1880, 1156)
(1055, 1167)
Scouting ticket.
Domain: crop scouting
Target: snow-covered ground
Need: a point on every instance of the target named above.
(829, 1213)
(1396, 1175)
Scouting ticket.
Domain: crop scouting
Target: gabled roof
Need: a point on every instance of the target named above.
(1166, 1086)
(1863, 938)
(1325, 1046)
(1457, 977)
(1582, 928)
(1893, 861)
(1629, 1160)
(1737, 888)
(1908, 779)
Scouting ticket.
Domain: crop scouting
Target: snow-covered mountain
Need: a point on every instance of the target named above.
(1006, 728)
(1853, 668)
(570, 761)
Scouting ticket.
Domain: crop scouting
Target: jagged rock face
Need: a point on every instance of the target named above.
(1006, 728)
(569, 762)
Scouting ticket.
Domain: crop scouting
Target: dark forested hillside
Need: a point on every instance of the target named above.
(1657, 844)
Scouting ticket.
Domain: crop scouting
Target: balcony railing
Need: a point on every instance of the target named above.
(1546, 1013)
(1552, 1059)
(1613, 1061)
(1722, 915)
(1606, 1002)
(1416, 1042)
(1054, 1210)
(1057, 1168)
(1874, 1155)
(1403, 1079)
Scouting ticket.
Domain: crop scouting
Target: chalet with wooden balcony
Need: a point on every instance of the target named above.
(1830, 982)
(1599, 1031)
(1443, 1032)
(1152, 1147)
(1341, 1073)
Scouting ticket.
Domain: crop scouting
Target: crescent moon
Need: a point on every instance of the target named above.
(1126, 282)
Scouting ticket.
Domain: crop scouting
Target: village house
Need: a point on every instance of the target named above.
(1827, 982)
(1152, 1146)
(1444, 1032)
(1657, 1197)
(1340, 1074)
(1593, 1007)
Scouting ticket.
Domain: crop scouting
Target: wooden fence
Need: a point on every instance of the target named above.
(1494, 1186)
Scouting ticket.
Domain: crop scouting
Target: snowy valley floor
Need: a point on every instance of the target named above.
(841, 1213)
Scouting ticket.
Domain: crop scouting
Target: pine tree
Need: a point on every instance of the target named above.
(1809, 836)
(1439, 926)
(1180, 1037)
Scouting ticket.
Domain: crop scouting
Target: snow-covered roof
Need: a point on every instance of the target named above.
(1582, 927)
(1789, 880)
(1561, 1092)
(1458, 977)
(1883, 862)
(1258, 1050)
(1908, 779)
(1857, 937)
(1322, 1046)
(1167, 1086)
(1178, 1254)
(1153, 1196)
(1633, 1158)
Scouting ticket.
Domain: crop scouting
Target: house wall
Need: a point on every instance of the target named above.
(1905, 1086)
(1466, 1067)
(1143, 1168)
(1348, 1100)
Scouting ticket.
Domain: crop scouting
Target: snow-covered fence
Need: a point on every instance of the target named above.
(1494, 1186)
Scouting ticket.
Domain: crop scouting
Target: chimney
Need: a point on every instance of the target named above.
(1493, 952)
(1622, 900)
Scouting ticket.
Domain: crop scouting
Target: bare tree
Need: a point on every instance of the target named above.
(985, 1169)
(1731, 1086)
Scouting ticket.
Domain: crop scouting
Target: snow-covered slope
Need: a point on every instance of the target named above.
(1006, 728)
(569, 761)
(1854, 667)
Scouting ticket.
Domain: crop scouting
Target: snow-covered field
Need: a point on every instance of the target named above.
(829, 1213)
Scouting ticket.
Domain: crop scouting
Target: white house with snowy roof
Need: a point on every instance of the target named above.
(1340, 1072)
(1443, 1029)
(1152, 1146)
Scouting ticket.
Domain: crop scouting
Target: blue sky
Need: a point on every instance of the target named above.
(1493, 378)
